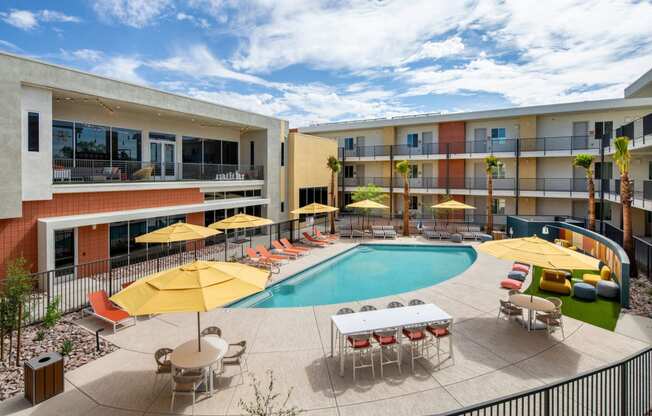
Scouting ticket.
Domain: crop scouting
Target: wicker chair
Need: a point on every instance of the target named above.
(163, 364)
(394, 304)
(235, 357)
(186, 383)
(367, 308)
(211, 330)
(509, 310)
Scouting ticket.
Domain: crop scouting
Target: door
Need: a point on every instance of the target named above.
(162, 155)
(479, 144)
(580, 135)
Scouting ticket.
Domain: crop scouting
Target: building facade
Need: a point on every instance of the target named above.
(88, 163)
(535, 147)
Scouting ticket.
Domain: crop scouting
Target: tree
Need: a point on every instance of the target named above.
(16, 289)
(623, 158)
(334, 165)
(370, 192)
(586, 161)
(403, 168)
(491, 163)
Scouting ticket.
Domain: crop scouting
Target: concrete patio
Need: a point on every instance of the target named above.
(492, 358)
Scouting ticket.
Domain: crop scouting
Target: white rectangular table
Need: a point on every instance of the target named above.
(394, 318)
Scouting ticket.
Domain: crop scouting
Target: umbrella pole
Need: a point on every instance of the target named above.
(198, 333)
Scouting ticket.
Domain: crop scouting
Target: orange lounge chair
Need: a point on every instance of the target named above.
(321, 236)
(286, 243)
(257, 258)
(311, 240)
(284, 250)
(101, 307)
(264, 253)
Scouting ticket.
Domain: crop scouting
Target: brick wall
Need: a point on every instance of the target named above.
(18, 236)
(196, 218)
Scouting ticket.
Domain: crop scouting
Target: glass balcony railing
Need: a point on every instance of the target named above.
(101, 171)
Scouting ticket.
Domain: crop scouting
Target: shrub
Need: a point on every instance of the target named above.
(265, 400)
(66, 347)
(52, 313)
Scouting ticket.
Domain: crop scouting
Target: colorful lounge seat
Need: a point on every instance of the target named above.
(593, 278)
(555, 281)
(585, 291)
(520, 267)
(511, 284)
(517, 275)
(608, 289)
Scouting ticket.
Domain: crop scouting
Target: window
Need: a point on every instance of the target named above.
(414, 171)
(413, 140)
(282, 206)
(119, 239)
(499, 171)
(310, 195)
(162, 136)
(64, 248)
(607, 211)
(348, 171)
(126, 144)
(348, 143)
(32, 132)
(498, 135)
(91, 142)
(414, 202)
(603, 171)
(212, 152)
(251, 153)
(499, 206)
(230, 153)
(62, 140)
(348, 198)
(282, 154)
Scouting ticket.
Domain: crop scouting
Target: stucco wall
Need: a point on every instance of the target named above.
(37, 166)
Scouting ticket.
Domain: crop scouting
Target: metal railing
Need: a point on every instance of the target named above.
(620, 389)
(99, 171)
(642, 249)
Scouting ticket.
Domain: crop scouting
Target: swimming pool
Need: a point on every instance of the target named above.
(365, 272)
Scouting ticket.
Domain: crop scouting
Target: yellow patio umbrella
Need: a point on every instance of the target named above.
(452, 204)
(539, 252)
(314, 209)
(180, 231)
(239, 221)
(195, 287)
(367, 204)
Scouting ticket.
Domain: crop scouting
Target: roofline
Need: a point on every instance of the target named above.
(187, 97)
(618, 103)
(642, 82)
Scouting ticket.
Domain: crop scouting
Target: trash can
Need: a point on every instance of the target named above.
(43, 377)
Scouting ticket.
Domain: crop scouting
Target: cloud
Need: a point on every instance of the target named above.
(134, 13)
(6, 45)
(84, 55)
(27, 20)
(436, 50)
(123, 68)
(199, 22)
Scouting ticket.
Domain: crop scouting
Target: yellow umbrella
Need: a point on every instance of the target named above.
(367, 204)
(452, 204)
(313, 209)
(180, 231)
(539, 252)
(195, 287)
(240, 221)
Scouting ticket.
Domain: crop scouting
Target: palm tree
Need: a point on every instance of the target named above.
(334, 165)
(491, 163)
(623, 158)
(586, 161)
(403, 168)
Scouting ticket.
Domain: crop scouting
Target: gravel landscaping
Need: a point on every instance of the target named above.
(640, 297)
(83, 350)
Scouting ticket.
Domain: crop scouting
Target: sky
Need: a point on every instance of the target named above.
(316, 61)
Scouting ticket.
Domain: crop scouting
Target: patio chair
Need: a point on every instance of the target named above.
(234, 357)
(415, 302)
(211, 330)
(552, 320)
(288, 251)
(389, 231)
(163, 364)
(287, 244)
(439, 332)
(417, 340)
(394, 304)
(186, 383)
(264, 253)
(508, 310)
(341, 311)
(367, 308)
(321, 236)
(256, 260)
(377, 231)
(388, 343)
(360, 344)
(430, 234)
(101, 307)
(313, 241)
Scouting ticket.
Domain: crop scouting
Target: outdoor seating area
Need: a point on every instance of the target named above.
(447, 231)
(383, 231)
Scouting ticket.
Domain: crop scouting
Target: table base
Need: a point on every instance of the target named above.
(536, 325)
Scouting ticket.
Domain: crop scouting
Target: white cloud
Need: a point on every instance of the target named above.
(135, 13)
(27, 20)
(436, 50)
(123, 68)
(199, 22)
(84, 55)
(4, 44)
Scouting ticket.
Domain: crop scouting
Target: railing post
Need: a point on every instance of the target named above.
(110, 278)
(546, 402)
(623, 389)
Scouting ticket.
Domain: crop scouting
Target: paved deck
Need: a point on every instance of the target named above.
(492, 358)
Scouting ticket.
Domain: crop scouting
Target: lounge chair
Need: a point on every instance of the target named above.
(256, 260)
(321, 236)
(288, 251)
(264, 253)
(101, 307)
(313, 241)
(287, 244)
(377, 231)
(443, 232)
(389, 231)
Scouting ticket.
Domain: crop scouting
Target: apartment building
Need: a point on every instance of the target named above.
(88, 163)
(535, 147)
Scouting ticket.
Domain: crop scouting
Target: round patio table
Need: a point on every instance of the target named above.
(186, 356)
(532, 303)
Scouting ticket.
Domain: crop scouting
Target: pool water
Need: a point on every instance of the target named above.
(365, 272)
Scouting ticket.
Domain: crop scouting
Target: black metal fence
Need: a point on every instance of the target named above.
(642, 249)
(71, 285)
(620, 389)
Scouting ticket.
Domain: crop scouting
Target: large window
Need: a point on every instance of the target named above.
(209, 151)
(603, 170)
(62, 140)
(348, 171)
(499, 206)
(414, 202)
(413, 140)
(310, 195)
(192, 150)
(348, 143)
(498, 135)
(126, 144)
(64, 248)
(498, 172)
(122, 235)
(230, 153)
(607, 211)
(213, 152)
(32, 132)
(91, 142)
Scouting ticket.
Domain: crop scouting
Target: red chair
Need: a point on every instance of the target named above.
(388, 342)
(417, 338)
(321, 236)
(286, 243)
(264, 253)
(312, 240)
(287, 251)
(102, 308)
(438, 332)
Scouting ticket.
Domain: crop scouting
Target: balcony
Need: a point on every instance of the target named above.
(76, 171)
